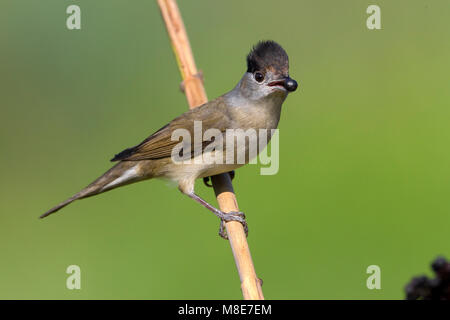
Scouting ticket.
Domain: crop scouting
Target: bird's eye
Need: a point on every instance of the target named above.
(259, 76)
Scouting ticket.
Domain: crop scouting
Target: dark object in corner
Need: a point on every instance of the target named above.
(424, 288)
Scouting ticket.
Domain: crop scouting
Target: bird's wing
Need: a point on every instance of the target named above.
(160, 144)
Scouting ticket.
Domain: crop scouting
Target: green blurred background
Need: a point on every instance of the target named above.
(364, 143)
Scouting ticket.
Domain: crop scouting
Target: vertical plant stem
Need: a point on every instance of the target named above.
(196, 96)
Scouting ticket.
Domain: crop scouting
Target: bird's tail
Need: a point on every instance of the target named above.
(122, 173)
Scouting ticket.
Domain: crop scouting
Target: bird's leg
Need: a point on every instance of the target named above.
(206, 179)
(223, 216)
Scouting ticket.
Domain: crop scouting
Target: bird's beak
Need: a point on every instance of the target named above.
(287, 83)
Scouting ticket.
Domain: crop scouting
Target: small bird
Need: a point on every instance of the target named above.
(254, 103)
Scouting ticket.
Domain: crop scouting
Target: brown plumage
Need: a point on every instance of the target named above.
(255, 103)
(159, 145)
(153, 155)
(96, 187)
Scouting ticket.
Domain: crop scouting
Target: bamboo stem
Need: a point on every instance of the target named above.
(196, 96)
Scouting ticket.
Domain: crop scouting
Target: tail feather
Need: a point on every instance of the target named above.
(121, 174)
(59, 206)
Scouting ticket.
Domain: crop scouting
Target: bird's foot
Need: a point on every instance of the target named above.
(206, 182)
(206, 179)
(232, 216)
(223, 216)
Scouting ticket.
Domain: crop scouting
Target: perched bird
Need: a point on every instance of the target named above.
(254, 103)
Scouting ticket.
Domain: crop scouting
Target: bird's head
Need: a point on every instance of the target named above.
(267, 72)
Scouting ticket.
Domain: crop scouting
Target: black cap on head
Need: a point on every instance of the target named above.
(265, 55)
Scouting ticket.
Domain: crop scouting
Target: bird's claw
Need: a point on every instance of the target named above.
(206, 182)
(206, 179)
(232, 216)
